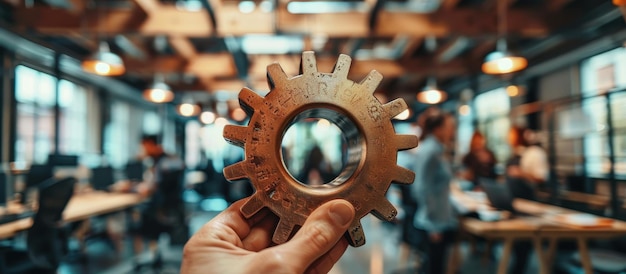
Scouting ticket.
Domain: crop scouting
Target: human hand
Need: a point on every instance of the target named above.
(230, 243)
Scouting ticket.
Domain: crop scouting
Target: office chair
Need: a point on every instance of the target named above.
(46, 241)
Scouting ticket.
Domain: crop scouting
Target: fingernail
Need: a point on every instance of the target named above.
(341, 213)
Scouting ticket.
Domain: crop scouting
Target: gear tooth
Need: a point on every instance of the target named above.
(355, 234)
(342, 67)
(406, 141)
(282, 232)
(402, 176)
(235, 135)
(252, 206)
(385, 211)
(275, 74)
(395, 107)
(308, 64)
(236, 171)
(372, 80)
(248, 99)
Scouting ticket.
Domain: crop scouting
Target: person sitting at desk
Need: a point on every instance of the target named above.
(165, 209)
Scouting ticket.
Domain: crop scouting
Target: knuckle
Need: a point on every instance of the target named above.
(320, 236)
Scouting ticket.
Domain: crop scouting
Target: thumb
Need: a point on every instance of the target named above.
(320, 232)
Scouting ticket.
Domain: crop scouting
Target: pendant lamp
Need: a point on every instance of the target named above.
(431, 94)
(104, 62)
(158, 91)
(502, 61)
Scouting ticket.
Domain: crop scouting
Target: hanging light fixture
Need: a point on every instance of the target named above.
(158, 91)
(502, 61)
(104, 62)
(188, 108)
(431, 94)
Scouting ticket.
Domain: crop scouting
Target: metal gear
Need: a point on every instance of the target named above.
(365, 123)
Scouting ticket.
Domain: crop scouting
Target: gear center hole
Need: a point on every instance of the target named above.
(321, 148)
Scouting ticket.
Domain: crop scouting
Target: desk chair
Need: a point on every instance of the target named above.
(46, 242)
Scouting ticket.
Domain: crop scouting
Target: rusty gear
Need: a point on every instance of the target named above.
(366, 123)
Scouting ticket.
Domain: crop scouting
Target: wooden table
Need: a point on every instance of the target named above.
(541, 225)
(80, 207)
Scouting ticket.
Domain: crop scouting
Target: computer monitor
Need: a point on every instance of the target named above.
(134, 171)
(102, 178)
(58, 160)
(38, 174)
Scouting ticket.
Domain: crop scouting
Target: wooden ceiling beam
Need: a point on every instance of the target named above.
(452, 49)
(169, 20)
(183, 46)
(411, 47)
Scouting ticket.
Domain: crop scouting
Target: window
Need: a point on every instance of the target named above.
(73, 125)
(116, 136)
(492, 109)
(35, 93)
(600, 82)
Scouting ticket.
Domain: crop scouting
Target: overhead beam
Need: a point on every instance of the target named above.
(411, 47)
(183, 46)
(452, 49)
(169, 20)
(132, 47)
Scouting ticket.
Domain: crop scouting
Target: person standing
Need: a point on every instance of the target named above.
(479, 162)
(435, 218)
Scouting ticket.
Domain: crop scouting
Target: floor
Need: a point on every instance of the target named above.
(381, 254)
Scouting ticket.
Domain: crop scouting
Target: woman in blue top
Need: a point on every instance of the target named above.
(435, 218)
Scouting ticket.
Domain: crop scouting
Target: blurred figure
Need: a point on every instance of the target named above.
(435, 218)
(317, 170)
(164, 211)
(528, 166)
(479, 162)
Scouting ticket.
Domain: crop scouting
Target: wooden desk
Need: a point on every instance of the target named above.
(542, 225)
(81, 206)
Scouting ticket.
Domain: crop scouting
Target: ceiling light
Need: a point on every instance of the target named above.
(158, 91)
(104, 62)
(188, 109)
(502, 61)
(465, 110)
(221, 121)
(431, 94)
(207, 117)
(619, 2)
(238, 114)
(403, 115)
(513, 90)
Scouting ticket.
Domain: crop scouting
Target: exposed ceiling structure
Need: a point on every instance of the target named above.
(222, 45)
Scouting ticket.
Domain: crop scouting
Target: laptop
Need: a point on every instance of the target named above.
(500, 196)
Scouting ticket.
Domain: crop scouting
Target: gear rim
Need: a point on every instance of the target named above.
(270, 116)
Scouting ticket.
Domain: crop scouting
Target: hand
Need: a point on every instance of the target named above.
(229, 243)
(435, 237)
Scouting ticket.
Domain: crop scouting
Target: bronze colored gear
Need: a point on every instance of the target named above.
(364, 121)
